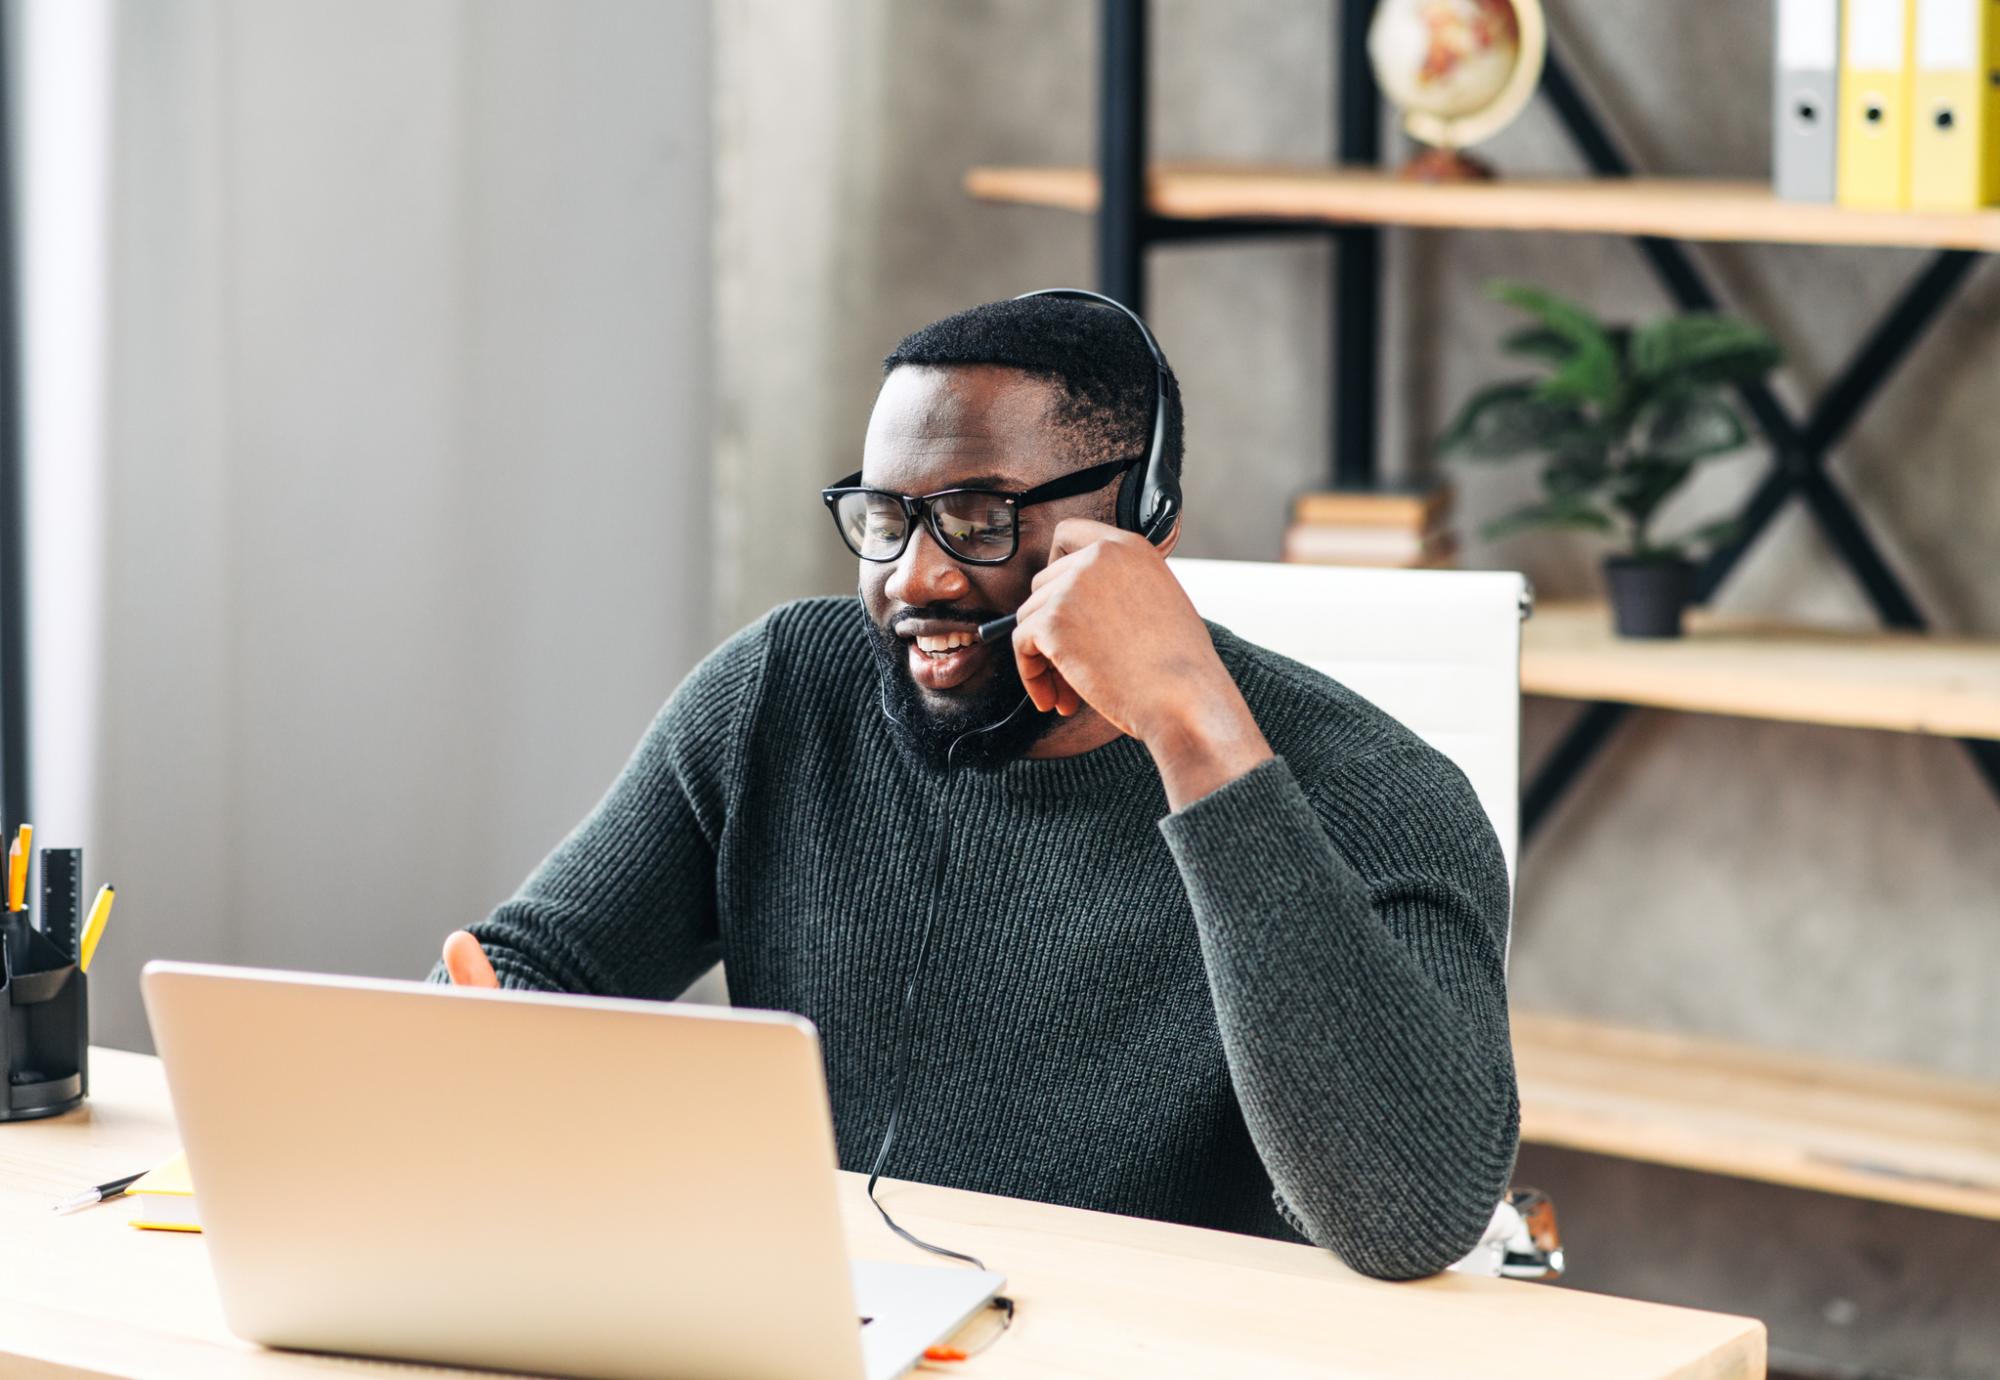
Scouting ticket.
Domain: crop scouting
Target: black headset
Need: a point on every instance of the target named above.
(1149, 502)
(1149, 498)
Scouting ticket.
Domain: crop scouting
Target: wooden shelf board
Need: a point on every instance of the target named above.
(1676, 208)
(1860, 1130)
(1900, 681)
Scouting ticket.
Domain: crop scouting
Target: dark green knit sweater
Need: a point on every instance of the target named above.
(1280, 1010)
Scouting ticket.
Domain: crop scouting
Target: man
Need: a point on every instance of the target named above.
(1216, 940)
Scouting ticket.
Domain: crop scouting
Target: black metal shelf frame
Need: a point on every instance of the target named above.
(1126, 227)
(13, 518)
(1799, 446)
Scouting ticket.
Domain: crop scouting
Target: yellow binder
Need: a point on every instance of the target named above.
(1955, 129)
(1875, 104)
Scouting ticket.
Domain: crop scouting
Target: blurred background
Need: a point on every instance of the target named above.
(413, 390)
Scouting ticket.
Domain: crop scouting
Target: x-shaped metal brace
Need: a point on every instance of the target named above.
(1799, 451)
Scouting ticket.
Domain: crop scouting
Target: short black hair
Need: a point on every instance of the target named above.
(1090, 351)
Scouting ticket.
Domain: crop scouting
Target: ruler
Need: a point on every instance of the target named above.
(62, 897)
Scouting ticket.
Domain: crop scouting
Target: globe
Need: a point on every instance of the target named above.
(1448, 58)
(1457, 69)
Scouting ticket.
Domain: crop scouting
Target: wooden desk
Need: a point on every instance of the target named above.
(1099, 1295)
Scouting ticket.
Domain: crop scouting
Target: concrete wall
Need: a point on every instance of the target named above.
(409, 500)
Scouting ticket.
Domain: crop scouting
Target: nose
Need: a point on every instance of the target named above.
(926, 574)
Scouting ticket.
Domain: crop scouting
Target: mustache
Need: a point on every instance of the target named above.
(942, 613)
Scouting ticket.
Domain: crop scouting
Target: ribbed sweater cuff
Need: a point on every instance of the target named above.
(1253, 844)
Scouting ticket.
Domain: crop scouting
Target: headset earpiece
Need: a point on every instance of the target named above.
(1131, 493)
(1151, 519)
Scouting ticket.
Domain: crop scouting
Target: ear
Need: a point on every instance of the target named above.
(1166, 548)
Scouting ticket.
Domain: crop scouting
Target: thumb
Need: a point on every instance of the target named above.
(466, 962)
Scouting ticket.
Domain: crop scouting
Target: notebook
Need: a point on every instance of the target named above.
(164, 1198)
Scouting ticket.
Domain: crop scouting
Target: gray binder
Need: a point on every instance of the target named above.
(1804, 144)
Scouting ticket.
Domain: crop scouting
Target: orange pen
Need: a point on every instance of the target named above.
(17, 868)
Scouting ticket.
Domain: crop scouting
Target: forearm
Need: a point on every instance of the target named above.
(604, 917)
(1366, 1035)
(537, 946)
(1208, 741)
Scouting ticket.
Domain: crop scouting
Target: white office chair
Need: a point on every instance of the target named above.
(1439, 650)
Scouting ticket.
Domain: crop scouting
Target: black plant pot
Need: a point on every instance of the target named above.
(1648, 597)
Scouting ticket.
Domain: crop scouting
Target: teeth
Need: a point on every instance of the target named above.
(945, 642)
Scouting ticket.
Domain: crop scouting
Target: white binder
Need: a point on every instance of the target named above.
(1806, 109)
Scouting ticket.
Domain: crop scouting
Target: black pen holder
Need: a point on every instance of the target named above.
(45, 1037)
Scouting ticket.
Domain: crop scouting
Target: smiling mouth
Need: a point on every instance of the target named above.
(943, 661)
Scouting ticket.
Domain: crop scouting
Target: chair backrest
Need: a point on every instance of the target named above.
(1439, 650)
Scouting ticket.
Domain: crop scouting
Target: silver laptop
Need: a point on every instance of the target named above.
(528, 1181)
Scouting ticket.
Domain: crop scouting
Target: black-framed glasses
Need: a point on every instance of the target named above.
(978, 526)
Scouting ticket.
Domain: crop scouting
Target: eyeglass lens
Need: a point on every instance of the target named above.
(977, 526)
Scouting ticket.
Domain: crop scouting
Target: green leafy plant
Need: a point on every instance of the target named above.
(1621, 415)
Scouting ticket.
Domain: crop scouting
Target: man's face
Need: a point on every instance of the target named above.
(979, 427)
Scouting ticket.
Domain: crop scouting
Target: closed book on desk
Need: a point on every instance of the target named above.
(1806, 112)
(1354, 546)
(1875, 74)
(1416, 509)
(1954, 155)
(163, 1199)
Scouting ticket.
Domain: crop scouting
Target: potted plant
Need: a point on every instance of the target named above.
(1621, 416)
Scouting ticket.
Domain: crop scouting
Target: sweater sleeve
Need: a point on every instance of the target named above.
(625, 906)
(1354, 951)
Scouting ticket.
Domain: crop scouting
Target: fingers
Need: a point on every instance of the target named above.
(1077, 545)
(1069, 547)
(466, 962)
(1067, 700)
(1038, 676)
(1045, 685)
(1073, 534)
(1050, 691)
(1033, 654)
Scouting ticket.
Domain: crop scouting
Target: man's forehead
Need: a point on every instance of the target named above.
(984, 424)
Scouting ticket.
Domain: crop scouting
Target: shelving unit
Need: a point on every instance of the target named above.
(1684, 208)
(1761, 669)
(1863, 1131)
(1822, 1124)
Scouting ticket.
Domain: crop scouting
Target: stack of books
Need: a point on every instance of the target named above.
(1400, 528)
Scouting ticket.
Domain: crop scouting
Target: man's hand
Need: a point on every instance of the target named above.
(466, 962)
(1109, 626)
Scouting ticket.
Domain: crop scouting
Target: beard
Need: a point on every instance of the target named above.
(925, 729)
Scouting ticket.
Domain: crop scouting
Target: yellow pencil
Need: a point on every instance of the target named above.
(93, 928)
(17, 868)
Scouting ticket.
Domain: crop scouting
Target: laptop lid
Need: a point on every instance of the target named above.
(531, 1181)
